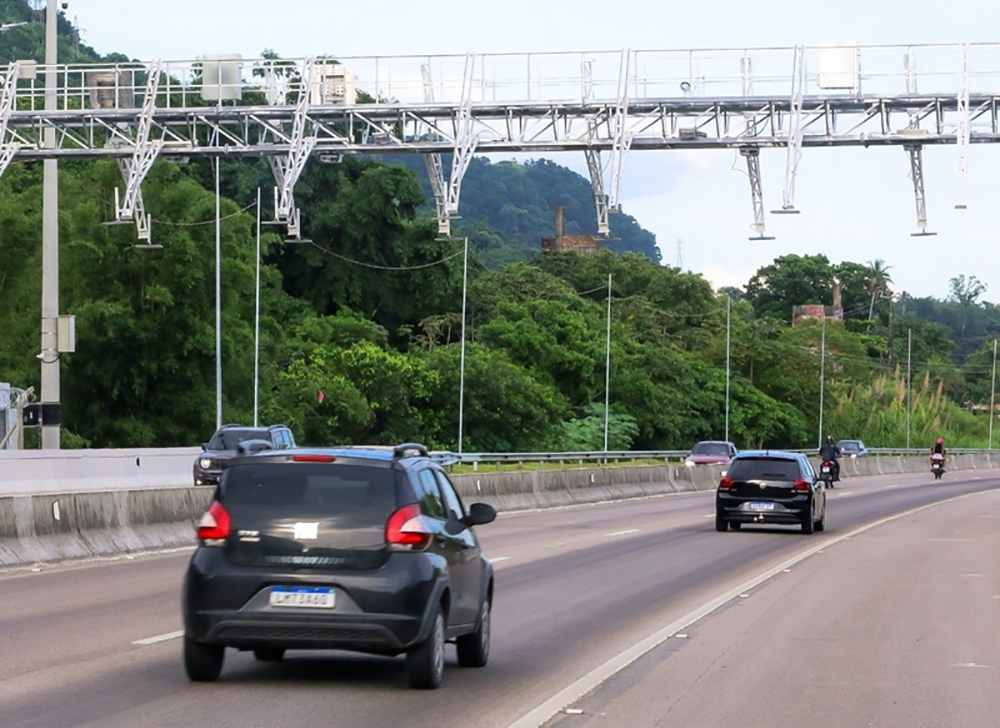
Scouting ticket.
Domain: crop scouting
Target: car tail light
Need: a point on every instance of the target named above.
(313, 458)
(725, 483)
(406, 531)
(215, 525)
(801, 486)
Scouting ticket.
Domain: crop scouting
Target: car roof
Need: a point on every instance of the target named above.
(771, 454)
(372, 454)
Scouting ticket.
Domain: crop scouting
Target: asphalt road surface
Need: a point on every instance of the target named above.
(895, 625)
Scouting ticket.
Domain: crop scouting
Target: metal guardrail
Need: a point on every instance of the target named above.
(620, 456)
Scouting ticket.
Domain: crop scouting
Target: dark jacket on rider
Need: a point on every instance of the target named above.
(829, 451)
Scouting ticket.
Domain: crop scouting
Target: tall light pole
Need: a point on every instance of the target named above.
(461, 366)
(993, 392)
(729, 321)
(607, 372)
(909, 400)
(256, 325)
(50, 236)
(218, 301)
(822, 378)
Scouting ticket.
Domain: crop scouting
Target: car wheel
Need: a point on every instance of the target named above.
(720, 523)
(474, 649)
(203, 663)
(807, 523)
(425, 664)
(269, 654)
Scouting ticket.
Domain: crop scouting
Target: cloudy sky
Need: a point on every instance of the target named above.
(857, 204)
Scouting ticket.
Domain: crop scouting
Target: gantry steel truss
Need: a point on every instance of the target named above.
(289, 122)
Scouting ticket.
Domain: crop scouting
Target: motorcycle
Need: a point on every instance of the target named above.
(937, 466)
(826, 473)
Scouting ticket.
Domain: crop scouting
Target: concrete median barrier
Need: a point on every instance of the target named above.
(58, 526)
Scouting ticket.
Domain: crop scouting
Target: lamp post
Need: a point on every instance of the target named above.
(822, 378)
(256, 325)
(993, 392)
(218, 301)
(607, 372)
(729, 320)
(49, 355)
(461, 366)
(909, 387)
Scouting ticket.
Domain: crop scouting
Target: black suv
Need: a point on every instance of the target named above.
(229, 440)
(770, 487)
(354, 548)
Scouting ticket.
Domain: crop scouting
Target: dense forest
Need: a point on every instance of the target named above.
(361, 330)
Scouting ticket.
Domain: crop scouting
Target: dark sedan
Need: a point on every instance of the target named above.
(769, 487)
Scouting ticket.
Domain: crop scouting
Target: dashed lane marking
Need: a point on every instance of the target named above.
(160, 638)
(622, 533)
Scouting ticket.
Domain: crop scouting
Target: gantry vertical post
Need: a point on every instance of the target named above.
(135, 168)
(963, 133)
(465, 138)
(7, 102)
(794, 151)
(435, 166)
(917, 175)
(287, 170)
(621, 140)
(752, 155)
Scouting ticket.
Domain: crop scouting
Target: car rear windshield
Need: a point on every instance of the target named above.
(231, 439)
(710, 448)
(848, 445)
(764, 469)
(362, 495)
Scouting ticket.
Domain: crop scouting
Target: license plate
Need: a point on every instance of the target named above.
(757, 506)
(303, 596)
(826, 468)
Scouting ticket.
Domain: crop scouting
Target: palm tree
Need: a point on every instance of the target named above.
(878, 283)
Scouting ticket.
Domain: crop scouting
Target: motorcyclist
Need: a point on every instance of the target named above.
(938, 452)
(829, 451)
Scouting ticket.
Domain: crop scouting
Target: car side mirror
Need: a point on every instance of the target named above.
(204, 446)
(480, 514)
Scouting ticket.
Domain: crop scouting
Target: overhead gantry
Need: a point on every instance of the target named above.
(599, 103)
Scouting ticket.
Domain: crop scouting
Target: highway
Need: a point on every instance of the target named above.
(895, 625)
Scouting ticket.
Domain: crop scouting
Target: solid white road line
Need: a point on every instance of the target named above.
(498, 559)
(573, 692)
(622, 533)
(160, 638)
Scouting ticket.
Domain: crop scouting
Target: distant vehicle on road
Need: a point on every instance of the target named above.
(852, 448)
(770, 487)
(227, 443)
(711, 452)
(361, 549)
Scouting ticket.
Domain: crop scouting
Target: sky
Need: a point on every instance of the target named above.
(857, 204)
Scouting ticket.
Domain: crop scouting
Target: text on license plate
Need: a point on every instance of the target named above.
(758, 506)
(303, 596)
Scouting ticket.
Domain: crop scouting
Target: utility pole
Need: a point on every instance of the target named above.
(50, 237)
(993, 392)
(218, 301)
(822, 378)
(256, 325)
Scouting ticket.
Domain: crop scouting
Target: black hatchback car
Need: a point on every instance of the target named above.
(770, 487)
(362, 549)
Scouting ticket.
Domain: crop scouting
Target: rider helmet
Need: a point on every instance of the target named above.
(940, 441)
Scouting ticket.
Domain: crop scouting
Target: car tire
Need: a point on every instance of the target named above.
(721, 525)
(807, 523)
(820, 525)
(425, 663)
(269, 654)
(202, 662)
(474, 648)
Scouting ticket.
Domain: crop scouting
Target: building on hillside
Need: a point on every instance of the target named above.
(563, 243)
(820, 311)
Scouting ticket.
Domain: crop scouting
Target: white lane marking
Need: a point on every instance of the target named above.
(973, 664)
(498, 559)
(622, 533)
(160, 638)
(576, 690)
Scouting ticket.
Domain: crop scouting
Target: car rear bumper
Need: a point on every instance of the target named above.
(739, 511)
(383, 610)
